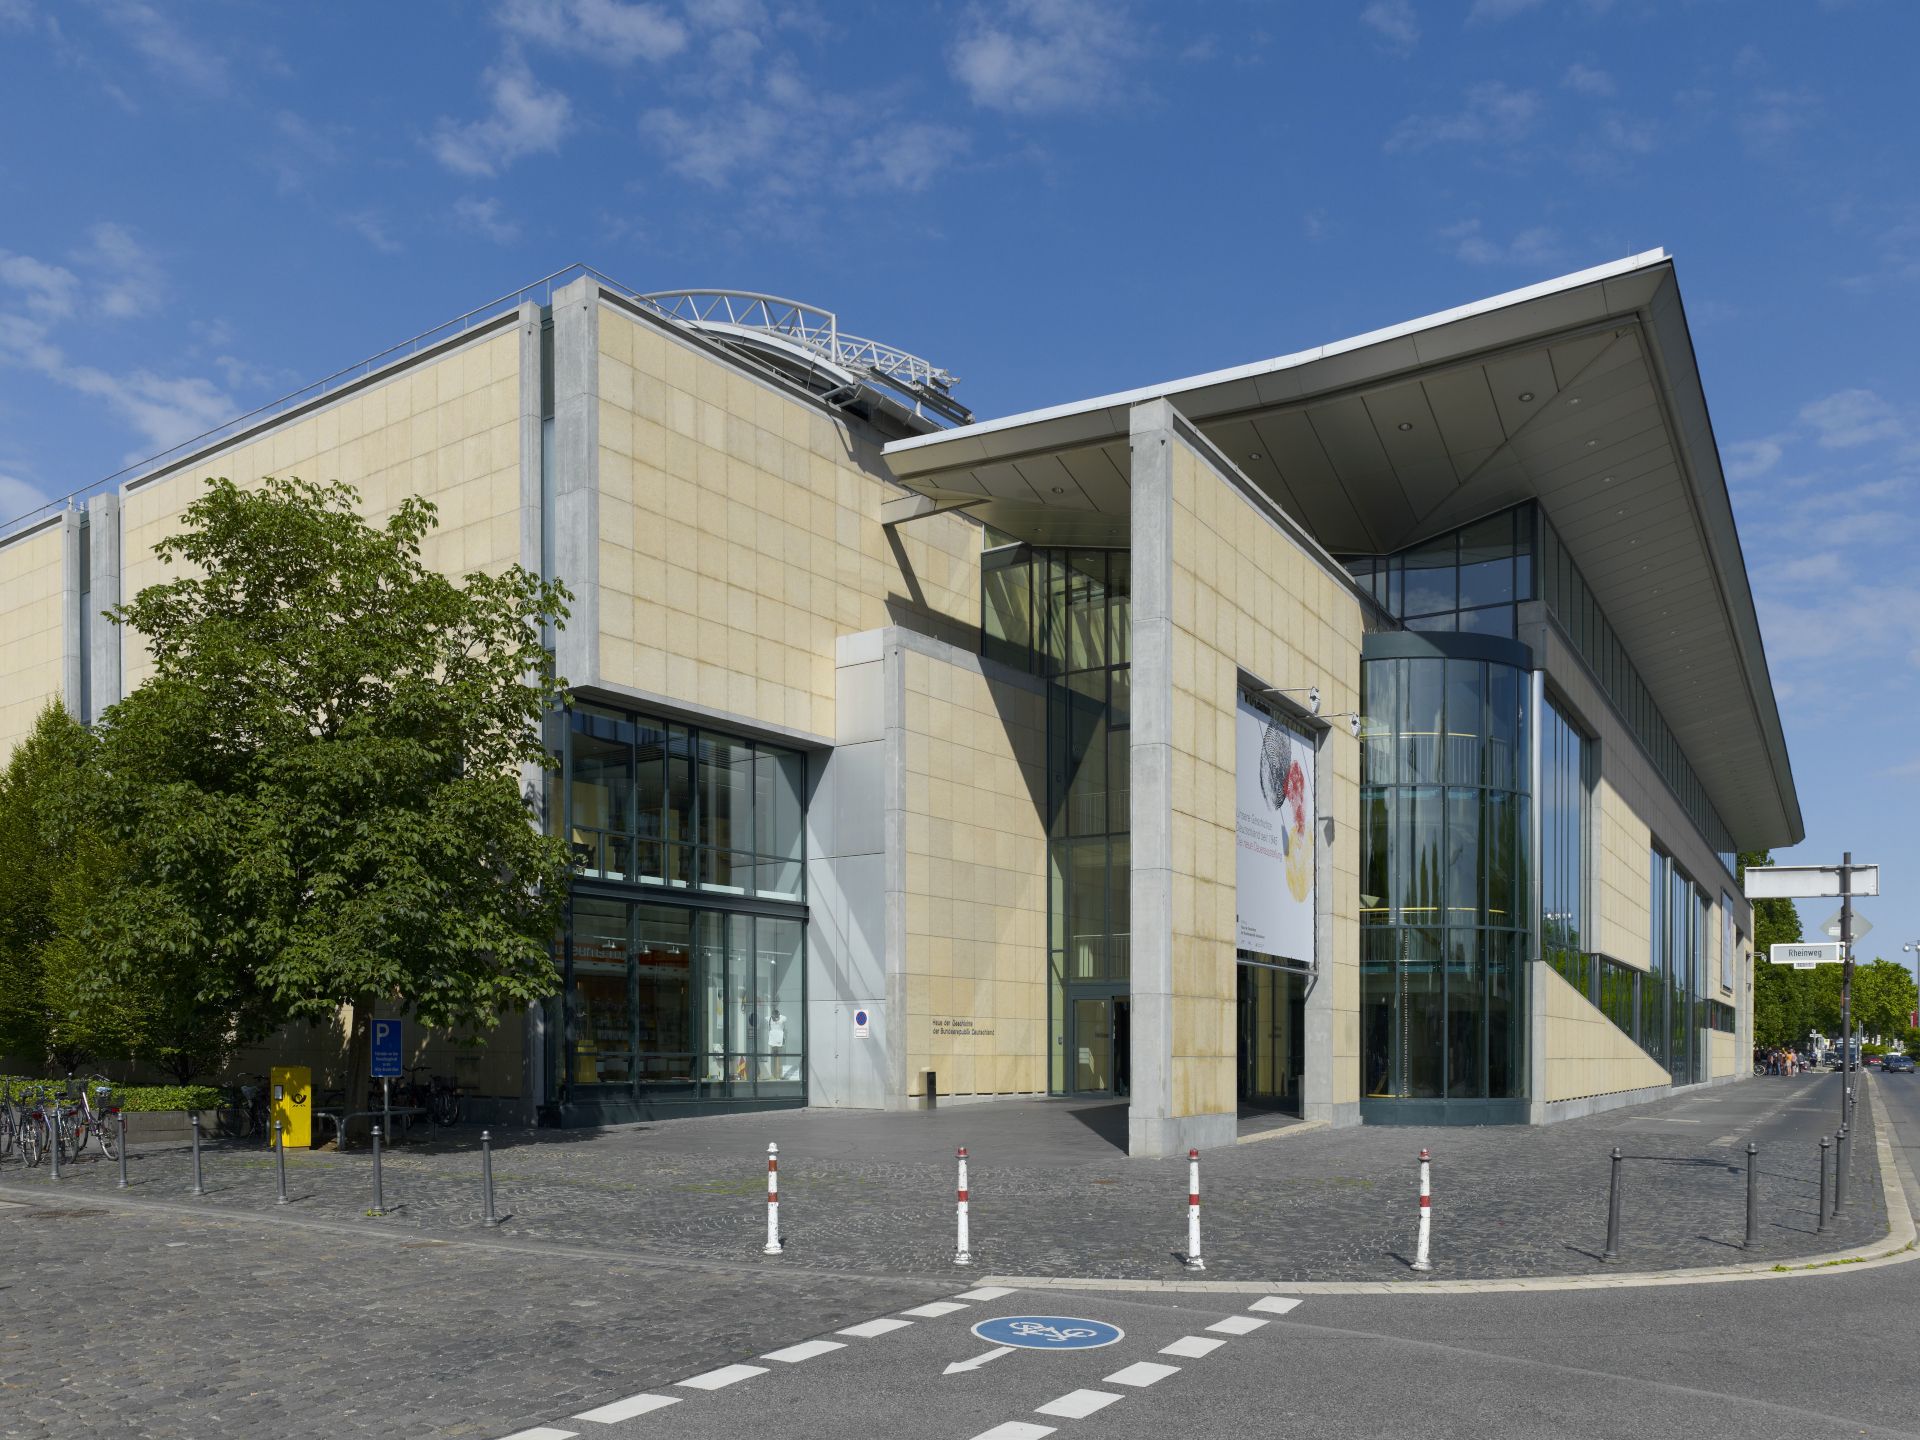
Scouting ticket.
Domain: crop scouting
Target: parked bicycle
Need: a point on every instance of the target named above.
(96, 1117)
(244, 1110)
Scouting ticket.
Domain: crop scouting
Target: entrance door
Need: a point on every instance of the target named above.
(1093, 1046)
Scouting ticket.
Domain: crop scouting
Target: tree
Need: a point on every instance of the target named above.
(1883, 997)
(36, 825)
(323, 773)
(1788, 1004)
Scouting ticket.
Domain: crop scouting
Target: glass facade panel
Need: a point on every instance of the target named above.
(1467, 581)
(1566, 847)
(1443, 890)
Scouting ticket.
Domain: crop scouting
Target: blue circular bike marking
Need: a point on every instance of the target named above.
(1048, 1332)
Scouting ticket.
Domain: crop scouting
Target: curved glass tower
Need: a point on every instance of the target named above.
(1444, 897)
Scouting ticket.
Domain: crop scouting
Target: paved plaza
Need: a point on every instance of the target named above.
(1052, 1195)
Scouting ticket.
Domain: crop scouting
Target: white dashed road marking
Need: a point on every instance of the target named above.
(1236, 1325)
(805, 1350)
(1192, 1347)
(868, 1329)
(726, 1375)
(934, 1310)
(1275, 1304)
(1015, 1430)
(543, 1432)
(985, 1292)
(1141, 1373)
(1077, 1404)
(628, 1408)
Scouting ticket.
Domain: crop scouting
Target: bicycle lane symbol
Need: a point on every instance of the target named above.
(1048, 1332)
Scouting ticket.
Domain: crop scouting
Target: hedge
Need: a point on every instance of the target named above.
(127, 1097)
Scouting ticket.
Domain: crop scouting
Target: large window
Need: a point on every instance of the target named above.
(1566, 848)
(1468, 580)
(657, 803)
(1443, 890)
(1670, 1009)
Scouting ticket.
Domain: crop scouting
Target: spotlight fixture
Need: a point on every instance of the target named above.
(1525, 395)
(1254, 456)
(1059, 489)
(1406, 424)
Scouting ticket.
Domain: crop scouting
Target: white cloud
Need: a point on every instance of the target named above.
(1486, 10)
(127, 279)
(1493, 114)
(170, 53)
(1395, 22)
(484, 217)
(1537, 245)
(604, 30)
(1586, 80)
(17, 496)
(1775, 116)
(1822, 567)
(298, 149)
(1032, 56)
(525, 119)
(47, 291)
(1852, 417)
(1750, 459)
(1637, 136)
(371, 226)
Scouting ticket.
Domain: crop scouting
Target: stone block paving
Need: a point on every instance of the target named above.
(1052, 1195)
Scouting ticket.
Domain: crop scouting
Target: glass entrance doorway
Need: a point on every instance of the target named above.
(1272, 1023)
(1101, 1044)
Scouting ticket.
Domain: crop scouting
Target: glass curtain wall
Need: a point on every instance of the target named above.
(1566, 849)
(1671, 1009)
(1065, 615)
(683, 962)
(1444, 890)
(1467, 581)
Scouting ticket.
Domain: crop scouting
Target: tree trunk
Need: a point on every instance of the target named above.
(359, 1070)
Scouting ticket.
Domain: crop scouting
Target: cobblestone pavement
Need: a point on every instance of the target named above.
(1052, 1195)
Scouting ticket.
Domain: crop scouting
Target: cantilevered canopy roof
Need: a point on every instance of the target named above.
(1581, 393)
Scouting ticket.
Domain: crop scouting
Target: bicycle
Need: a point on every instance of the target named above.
(9, 1121)
(244, 1109)
(440, 1097)
(101, 1122)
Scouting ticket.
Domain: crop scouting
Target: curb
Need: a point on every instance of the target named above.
(1896, 1248)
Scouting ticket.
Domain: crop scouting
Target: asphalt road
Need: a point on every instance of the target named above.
(161, 1321)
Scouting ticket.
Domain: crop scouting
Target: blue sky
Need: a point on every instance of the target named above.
(205, 205)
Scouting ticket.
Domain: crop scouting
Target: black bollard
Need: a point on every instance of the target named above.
(1612, 1252)
(1840, 1171)
(379, 1201)
(56, 1142)
(199, 1184)
(120, 1120)
(486, 1178)
(1753, 1193)
(1821, 1227)
(280, 1159)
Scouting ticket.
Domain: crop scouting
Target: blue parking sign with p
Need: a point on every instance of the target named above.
(386, 1049)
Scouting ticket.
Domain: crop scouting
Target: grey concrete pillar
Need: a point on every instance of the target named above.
(575, 470)
(103, 540)
(1151, 1128)
(72, 575)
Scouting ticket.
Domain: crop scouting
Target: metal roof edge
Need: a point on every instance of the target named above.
(1124, 399)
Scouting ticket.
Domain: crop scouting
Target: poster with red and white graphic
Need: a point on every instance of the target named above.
(1274, 774)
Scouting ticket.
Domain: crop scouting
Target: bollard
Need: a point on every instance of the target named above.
(199, 1182)
(962, 1253)
(486, 1178)
(1753, 1194)
(1840, 1171)
(56, 1142)
(120, 1119)
(772, 1247)
(1612, 1252)
(1421, 1260)
(280, 1159)
(1194, 1262)
(1821, 1227)
(379, 1199)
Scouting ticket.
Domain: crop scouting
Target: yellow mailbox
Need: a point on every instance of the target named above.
(293, 1103)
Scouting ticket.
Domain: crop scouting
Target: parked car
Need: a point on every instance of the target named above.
(1897, 1064)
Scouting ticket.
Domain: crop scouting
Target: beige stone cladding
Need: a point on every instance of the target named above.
(976, 866)
(32, 642)
(740, 535)
(1248, 596)
(447, 428)
(1724, 1054)
(1587, 1054)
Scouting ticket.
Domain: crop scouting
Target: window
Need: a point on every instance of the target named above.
(1566, 804)
(1468, 580)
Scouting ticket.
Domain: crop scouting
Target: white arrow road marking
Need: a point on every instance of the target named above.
(977, 1361)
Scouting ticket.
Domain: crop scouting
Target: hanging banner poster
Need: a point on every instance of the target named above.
(1274, 774)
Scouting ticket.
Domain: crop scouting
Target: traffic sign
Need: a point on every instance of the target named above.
(1830, 927)
(387, 1036)
(860, 1023)
(1048, 1332)
(1804, 882)
(1805, 955)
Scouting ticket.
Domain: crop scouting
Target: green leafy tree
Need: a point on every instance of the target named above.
(324, 772)
(36, 827)
(1883, 998)
(1788, 1004)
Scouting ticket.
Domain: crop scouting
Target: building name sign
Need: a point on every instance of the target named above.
(960, 1027)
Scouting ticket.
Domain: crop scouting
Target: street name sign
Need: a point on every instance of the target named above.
(386, 1049)
(1806, 882)
(1801, 955)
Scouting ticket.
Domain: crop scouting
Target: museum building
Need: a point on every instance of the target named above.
(1364, 734)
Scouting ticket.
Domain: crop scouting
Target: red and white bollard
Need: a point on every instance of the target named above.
(962, 1251)
(773, 1200)
(1194, 1262)
(1420, 1260)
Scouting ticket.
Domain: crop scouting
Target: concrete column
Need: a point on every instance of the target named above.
(1535, 963)
(1316, 1078)
(72, 673)
(575, 542)
(1151, 1127)
(103, 539)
